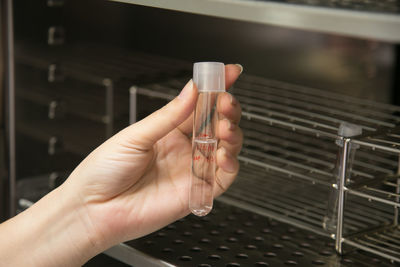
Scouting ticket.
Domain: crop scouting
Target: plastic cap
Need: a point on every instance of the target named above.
(349, 130)
(209, 76)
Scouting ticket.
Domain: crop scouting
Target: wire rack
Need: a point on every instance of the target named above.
(289, 155)
(93, 62)
(385, 242)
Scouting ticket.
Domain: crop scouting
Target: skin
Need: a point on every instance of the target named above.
(133, 184)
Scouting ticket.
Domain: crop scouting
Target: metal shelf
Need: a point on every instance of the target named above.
(388, 141)
(384, 242)
(289, 144)
(310, 110)
(81, 61)
(89, 103)
(297, 108)
(282, 120)
(249, 239)
(76, 136)
(231, 236)
(285, 199)
(362, 19)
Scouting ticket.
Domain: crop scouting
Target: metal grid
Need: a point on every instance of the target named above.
(289, 143)
(301, 204)
(310, 110)
(385, 242)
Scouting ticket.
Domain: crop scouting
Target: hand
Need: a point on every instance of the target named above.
(138, 181)
(133, 184)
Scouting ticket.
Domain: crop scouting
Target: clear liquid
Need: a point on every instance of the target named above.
(202, 176)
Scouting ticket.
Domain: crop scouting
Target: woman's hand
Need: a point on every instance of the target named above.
(133, 184)
(138, 181)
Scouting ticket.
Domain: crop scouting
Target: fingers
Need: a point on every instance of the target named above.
(232, 72)
(229, 108)
(230, 138)
(228, 168)
(155, 126)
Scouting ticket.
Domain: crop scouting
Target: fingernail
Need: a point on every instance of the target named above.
(233, 100)
(186, 90)
(240, 67)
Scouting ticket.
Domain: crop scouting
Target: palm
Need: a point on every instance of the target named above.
(148, 188)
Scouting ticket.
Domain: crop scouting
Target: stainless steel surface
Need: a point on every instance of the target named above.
(371, 25)
(10, 88)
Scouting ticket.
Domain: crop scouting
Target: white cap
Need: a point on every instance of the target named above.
(349, 130)
(209, 76)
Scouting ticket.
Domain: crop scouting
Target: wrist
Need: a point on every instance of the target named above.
(53, 232)
(71, 229)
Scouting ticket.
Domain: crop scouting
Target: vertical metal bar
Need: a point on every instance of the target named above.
(132, 105)
(109, 107)
(396, 209)
(10, 87)
(341, 188)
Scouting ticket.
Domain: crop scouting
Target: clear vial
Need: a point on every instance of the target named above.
(209, 77)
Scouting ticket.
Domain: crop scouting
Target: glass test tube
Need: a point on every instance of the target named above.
(209, 77)
(346, 130)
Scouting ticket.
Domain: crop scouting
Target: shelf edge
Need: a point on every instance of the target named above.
(369, 25)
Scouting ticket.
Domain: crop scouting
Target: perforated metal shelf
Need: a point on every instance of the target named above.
(232, 237)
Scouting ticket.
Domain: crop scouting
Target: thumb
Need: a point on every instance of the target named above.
(158, 124)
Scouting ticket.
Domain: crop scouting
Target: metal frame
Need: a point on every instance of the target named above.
(341, 188)
(10, 105)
